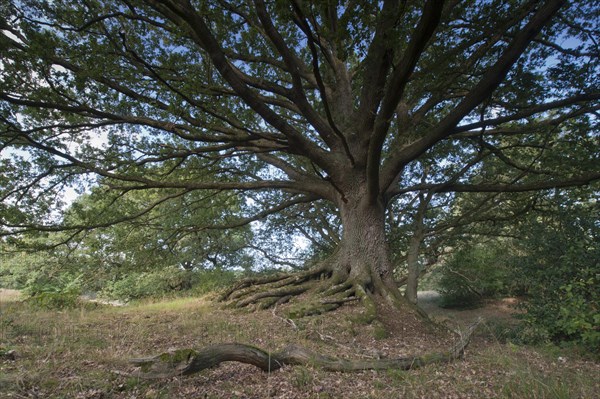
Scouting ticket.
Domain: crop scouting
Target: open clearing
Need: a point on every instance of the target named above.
(82, 353)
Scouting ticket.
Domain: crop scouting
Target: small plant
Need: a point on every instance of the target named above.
(380, 332)
(302, 378)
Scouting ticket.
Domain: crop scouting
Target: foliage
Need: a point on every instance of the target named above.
(212, 280)
(53, 292)
(176, 232)
(579, 315)
(56, 278)
(16, 268)
(166, 281)
(164, 250)
(148, 284)
(45, 279)
(560, 264)
(476, 272)
(273, 114)
(58, 299)
(550, 257)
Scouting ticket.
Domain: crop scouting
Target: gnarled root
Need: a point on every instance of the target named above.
(329, 292)
(326, 287)
(188, 361)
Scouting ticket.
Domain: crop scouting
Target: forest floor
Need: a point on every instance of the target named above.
(82, 353)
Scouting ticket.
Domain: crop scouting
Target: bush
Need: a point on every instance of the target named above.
(561, 267)
(212, 280)
(53, 293)
(579, 314)
(167, 281)
(55, 300)
(138, 285)
(475, 273)
(52, 280)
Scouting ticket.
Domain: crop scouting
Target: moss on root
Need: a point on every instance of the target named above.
(304, 309)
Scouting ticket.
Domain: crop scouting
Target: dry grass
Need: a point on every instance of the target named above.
(7, 295)
(73, 354)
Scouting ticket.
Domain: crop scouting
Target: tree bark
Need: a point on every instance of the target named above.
(360, 268)
(412, 260)
(363, 254)
(414, 247)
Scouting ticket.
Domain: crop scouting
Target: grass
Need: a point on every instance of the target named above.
(75, 353)
(539, 375)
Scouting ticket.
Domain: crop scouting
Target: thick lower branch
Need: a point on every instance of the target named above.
(188, 361)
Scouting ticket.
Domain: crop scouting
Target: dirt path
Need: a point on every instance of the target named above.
(497, 309)
(7, 295)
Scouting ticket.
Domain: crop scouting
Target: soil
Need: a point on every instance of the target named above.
(500, 310)
(7, 295)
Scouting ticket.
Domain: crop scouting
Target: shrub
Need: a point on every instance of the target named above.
(55, 300)
(167, 281)
(579, 313)
(561, 267)
(53, 293)
(475, 273)
(212, 280)
(138, 285)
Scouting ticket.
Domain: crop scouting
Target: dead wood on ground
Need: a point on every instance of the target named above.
(188, 361)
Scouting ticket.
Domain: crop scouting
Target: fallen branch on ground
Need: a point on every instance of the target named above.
(188, 361)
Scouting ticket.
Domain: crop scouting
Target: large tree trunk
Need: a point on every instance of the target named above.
(360, 268)
(363, 255)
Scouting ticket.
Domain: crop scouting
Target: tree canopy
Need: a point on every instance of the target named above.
(365, 106)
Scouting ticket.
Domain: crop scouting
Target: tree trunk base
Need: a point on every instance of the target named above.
(323, 291)
(328, 292)
(187, 361)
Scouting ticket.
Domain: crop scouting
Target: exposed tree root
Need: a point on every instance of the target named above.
(325, 289)
(328, 292)
(270, 289)
(252, 281)
(188, 361)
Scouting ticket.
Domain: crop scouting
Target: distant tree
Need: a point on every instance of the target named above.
(297, 102)
(163, 233)
(162, 249)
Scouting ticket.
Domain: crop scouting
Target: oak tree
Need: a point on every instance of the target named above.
(357, 104)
